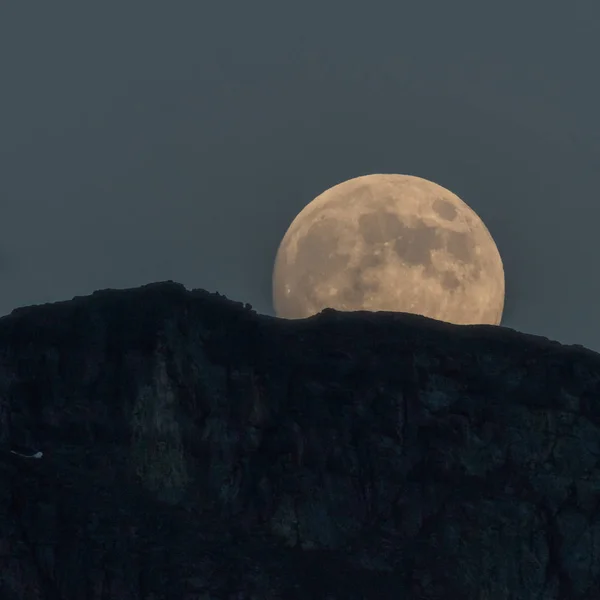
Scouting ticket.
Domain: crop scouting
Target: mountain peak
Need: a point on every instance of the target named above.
(195, 449)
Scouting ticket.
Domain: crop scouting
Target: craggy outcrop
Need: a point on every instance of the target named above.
(194, 450)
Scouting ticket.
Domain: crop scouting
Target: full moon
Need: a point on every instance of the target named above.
(389, 243)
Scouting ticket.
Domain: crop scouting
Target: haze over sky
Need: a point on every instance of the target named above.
(145, 141)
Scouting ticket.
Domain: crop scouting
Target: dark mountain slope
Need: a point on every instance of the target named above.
(195, 450)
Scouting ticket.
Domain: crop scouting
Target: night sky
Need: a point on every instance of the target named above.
(145, 141)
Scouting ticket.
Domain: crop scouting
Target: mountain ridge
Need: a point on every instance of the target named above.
(194, 449)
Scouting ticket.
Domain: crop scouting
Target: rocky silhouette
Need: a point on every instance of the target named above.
(194, 450)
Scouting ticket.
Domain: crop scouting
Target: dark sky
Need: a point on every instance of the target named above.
(144, 141)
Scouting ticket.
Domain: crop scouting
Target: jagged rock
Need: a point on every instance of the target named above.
(195, 450)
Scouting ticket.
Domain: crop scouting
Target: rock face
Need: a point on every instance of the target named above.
(193, 450)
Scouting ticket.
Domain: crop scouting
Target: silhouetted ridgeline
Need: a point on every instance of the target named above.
(193, 450)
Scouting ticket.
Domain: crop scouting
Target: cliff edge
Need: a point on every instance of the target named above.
(194, 450)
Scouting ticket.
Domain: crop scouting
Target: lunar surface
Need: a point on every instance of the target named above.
(389, 243)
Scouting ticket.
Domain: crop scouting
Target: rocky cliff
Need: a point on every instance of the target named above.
(194, 450)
